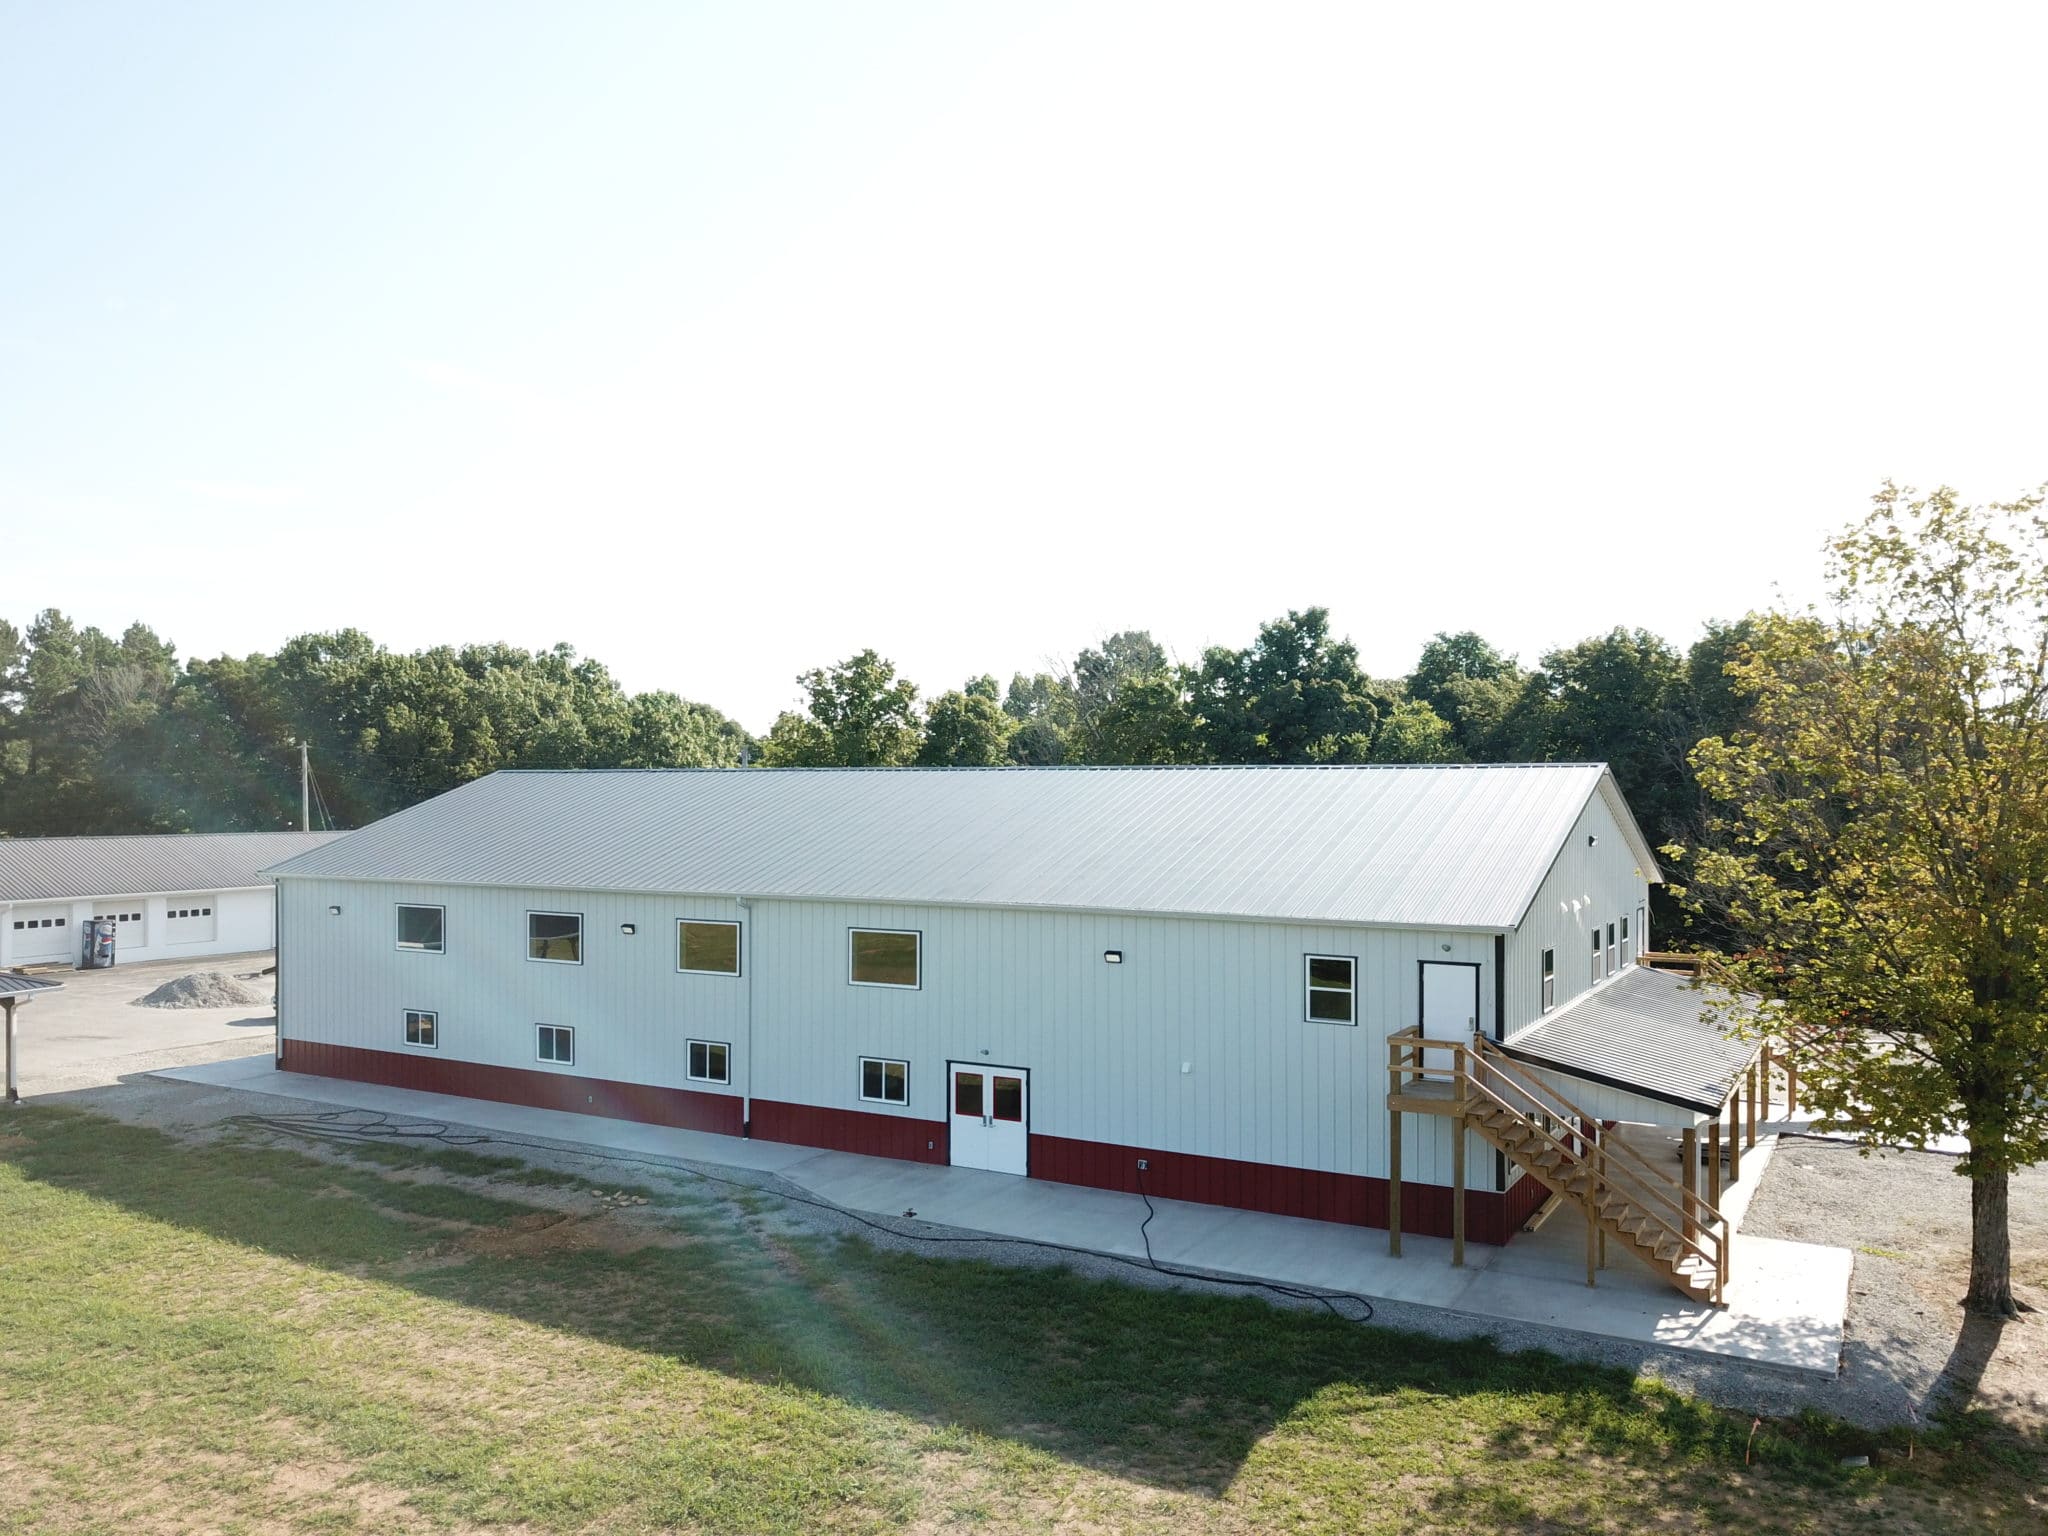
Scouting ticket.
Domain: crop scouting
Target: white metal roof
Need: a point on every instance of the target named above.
(69, 868)
(1435, 847)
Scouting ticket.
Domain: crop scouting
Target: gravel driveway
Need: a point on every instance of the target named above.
(1906, 1217)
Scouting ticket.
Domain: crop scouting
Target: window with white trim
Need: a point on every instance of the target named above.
(421, 927)
(1596, 952)
(1628, 949)
(423, 1028)
(883, 1081)
(555, 937)
(710, 1062)
(1332, 984)
(1549, 979)
(708, 949)
(884, 957)
(1613, 952)
(555, 1043)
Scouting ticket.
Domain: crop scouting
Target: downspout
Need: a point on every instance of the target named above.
(746, 910)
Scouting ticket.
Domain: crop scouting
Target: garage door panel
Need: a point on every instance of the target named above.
(40, 935)
(190, 920)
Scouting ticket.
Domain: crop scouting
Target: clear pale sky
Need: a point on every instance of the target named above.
(724, 340)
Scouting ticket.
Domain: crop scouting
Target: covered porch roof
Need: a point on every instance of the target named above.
(1648, 1033)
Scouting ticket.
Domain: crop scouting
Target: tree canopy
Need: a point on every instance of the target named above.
(1877, 841)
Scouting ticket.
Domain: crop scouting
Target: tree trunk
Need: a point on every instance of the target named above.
(1990, 1248)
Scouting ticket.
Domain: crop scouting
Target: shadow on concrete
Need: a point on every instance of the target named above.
(1171, 1388)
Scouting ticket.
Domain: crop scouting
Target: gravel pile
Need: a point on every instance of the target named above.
(203, 989)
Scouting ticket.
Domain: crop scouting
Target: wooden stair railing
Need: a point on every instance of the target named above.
(1679, 1234)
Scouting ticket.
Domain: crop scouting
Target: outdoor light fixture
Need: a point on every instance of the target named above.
(334, 911)
(1112, 957)
(627, 929)
(1592, 839)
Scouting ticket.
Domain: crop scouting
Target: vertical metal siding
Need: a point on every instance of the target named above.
(1601, 884)
(1104, 1043)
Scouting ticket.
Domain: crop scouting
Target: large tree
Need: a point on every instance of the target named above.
(858, 714)
(966, 728)
(1879, 836)
(1294, 695)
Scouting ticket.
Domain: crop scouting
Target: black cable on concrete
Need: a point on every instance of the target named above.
(353, 1127)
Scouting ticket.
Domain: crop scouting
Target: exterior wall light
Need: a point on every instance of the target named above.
(1112, 957)
(628, 929)
(1592, 839)
(334, 911)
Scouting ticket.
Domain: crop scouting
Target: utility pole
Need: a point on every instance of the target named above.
(305, 791)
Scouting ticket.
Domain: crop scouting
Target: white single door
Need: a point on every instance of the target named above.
(990, 1118)
(1450, 1002)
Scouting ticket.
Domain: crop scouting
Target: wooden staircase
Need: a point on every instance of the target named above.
(1625, 1198)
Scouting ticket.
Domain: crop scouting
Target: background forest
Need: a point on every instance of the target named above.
(116, 734)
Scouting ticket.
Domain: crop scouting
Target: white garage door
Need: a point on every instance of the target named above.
(131, 926)
(41, 935)
(189, 920)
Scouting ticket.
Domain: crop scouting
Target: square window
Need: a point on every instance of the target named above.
(884, 957)
(422, 1028)
(710, 1062)
(556, 1043)
(556, 936)
(1332, 988)
(421, 928)
(1549, 979)
(710, 948)
(884, 1082)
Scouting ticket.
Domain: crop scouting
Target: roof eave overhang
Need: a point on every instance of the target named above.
(1641, 1091)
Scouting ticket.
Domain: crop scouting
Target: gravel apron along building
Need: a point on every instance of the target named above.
(1332, 992)
(169, 895)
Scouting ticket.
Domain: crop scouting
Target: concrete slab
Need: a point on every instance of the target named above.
(1786, 1303)
(91, 1033)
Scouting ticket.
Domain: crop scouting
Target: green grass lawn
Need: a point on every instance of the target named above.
(223, 1336)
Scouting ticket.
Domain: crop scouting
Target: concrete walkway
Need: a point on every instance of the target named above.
(1786, 1301)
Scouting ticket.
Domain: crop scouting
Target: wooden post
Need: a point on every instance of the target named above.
(1749, 1133)
(1791, 1088)
(1592, 1247)
(1394, 1185)
(1689, 1179)
(1600, 1166)
(1459, 1067)
(1770, 1083)
(1714, 1161)
(1458, 1193)
(1735, 1135)
(13, 1081)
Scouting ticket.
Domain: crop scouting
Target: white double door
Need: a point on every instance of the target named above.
(990, 1119)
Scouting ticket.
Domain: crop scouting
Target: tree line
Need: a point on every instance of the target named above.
(1297, 694)
(99, 734)
(105, 734)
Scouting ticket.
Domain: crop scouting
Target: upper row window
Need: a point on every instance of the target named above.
(1332, 989)
(712, 948)
(421, 927)
(885, 957)
(556, 936)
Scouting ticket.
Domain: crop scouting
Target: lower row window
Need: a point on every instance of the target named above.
(883, 1081)
(555, 1042)
(710, 1062)
(422, 1028)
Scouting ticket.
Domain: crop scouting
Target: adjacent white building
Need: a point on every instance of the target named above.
(170, 896)
(1058, 973)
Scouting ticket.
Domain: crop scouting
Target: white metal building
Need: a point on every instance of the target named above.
(1051, 972)
(169, 895)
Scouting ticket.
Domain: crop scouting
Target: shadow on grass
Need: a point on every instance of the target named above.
(1173, 1389)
